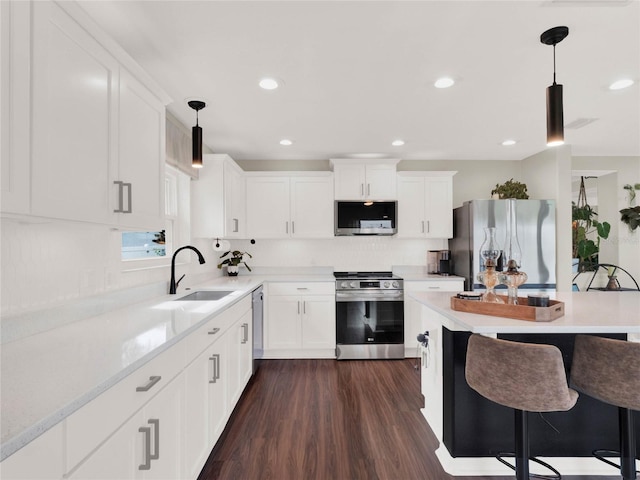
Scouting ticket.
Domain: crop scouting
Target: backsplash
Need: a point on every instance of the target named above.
(47, 265)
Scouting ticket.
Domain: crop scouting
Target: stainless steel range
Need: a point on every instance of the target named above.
(369, 315)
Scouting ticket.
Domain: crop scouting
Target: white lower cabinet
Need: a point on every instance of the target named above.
(42, 458)
(147, 446)
(161, 421)
(413, 310)
(300, 320)
(205, 405)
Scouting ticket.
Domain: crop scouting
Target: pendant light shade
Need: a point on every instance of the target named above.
(555, 114)
(555, 117)
(196, 135)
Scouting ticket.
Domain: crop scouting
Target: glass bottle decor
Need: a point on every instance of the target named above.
(512, 278)
(489, 253)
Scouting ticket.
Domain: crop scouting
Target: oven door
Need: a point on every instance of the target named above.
(369, 318)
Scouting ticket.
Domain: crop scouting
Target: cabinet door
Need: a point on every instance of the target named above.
(141, 147)
(439, 207)
(268, 207)
(197, 410)
(119, 457)
(283, 322)
(163, 415)
(74, 89)
(349, 181)
(234, 202)
(381, 182)
(240, 349)
(318, 321)
(15, 33)
(217, 379)
(42, 458)
(311, 207)
(411, 203)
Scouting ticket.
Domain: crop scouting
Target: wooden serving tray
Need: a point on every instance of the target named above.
(521, 311)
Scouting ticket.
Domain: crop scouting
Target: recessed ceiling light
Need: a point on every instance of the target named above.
(620, 84)
(268, 83)
(444, 82)
(508, 143)
(286, 142)
(397, 143)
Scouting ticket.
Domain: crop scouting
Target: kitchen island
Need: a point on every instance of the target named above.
(472, 429)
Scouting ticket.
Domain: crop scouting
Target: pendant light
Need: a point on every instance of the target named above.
(555, 116)
(196, 135)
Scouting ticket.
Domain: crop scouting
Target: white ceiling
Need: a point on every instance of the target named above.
(359, 74)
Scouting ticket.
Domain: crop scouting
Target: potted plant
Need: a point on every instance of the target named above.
(232, 262)
(585, 225)
(510, 189)
(631, 214)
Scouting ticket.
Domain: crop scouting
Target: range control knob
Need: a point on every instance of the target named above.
(386, 284)
(395, 284)
(354, 284)
(344, 284)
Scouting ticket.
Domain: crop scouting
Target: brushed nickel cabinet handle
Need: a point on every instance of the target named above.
(214, 331)
(215, 375)
(147, 448)
(422, 226)
(152, 381)
(120, 197)
(245, 333)
(293, 227)
(129, 194)
(156, 438)
(235, 225)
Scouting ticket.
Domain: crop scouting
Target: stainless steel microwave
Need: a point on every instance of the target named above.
(366, 218)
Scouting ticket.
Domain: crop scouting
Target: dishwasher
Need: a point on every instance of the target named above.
(258, 327)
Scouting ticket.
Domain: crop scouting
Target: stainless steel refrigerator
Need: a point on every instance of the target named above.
(536, 227)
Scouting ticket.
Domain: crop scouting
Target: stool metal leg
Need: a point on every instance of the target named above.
(522, 445)
(627, 444)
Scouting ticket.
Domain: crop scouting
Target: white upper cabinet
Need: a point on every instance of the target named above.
(425, 204)
(357, 180)
(95, 147)
(283, 206)
(218, 204)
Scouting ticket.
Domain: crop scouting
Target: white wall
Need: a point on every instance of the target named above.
(548, 176)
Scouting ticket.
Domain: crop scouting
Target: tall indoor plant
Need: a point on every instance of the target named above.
(587, 231)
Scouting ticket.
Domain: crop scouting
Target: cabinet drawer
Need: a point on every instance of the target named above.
(214, 328)
(435, 286)
(95, 422)
(306, 288)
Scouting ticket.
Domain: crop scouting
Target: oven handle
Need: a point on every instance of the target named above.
(366, 297)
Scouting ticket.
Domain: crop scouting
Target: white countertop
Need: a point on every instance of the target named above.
(49, 375)
(585, 312)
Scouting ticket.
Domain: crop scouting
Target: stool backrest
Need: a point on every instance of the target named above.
(608, 370)
(524, 376)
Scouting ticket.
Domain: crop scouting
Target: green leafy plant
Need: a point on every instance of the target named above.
(511, 189)
(584, 225)
(236, 258)
(631, 214)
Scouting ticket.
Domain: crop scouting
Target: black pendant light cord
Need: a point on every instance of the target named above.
(554, 70)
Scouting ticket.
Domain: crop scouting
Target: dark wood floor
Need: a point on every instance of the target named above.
(330, 420)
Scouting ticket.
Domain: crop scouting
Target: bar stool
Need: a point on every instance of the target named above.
(524, 376)
(609, 370)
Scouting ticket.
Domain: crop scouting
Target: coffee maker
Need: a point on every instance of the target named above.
(439, 262)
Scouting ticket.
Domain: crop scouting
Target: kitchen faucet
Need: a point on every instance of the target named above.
(173, 284)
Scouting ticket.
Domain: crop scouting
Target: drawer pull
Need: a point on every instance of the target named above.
(147, 448)
(216, 367)
(434, 288)
(214, 331)
(152, 381)
(156, 437)
(245, 333)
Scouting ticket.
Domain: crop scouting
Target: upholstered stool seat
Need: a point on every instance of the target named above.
(609, 370)
(524, 376)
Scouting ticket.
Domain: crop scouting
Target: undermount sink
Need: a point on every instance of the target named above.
(205, 295)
